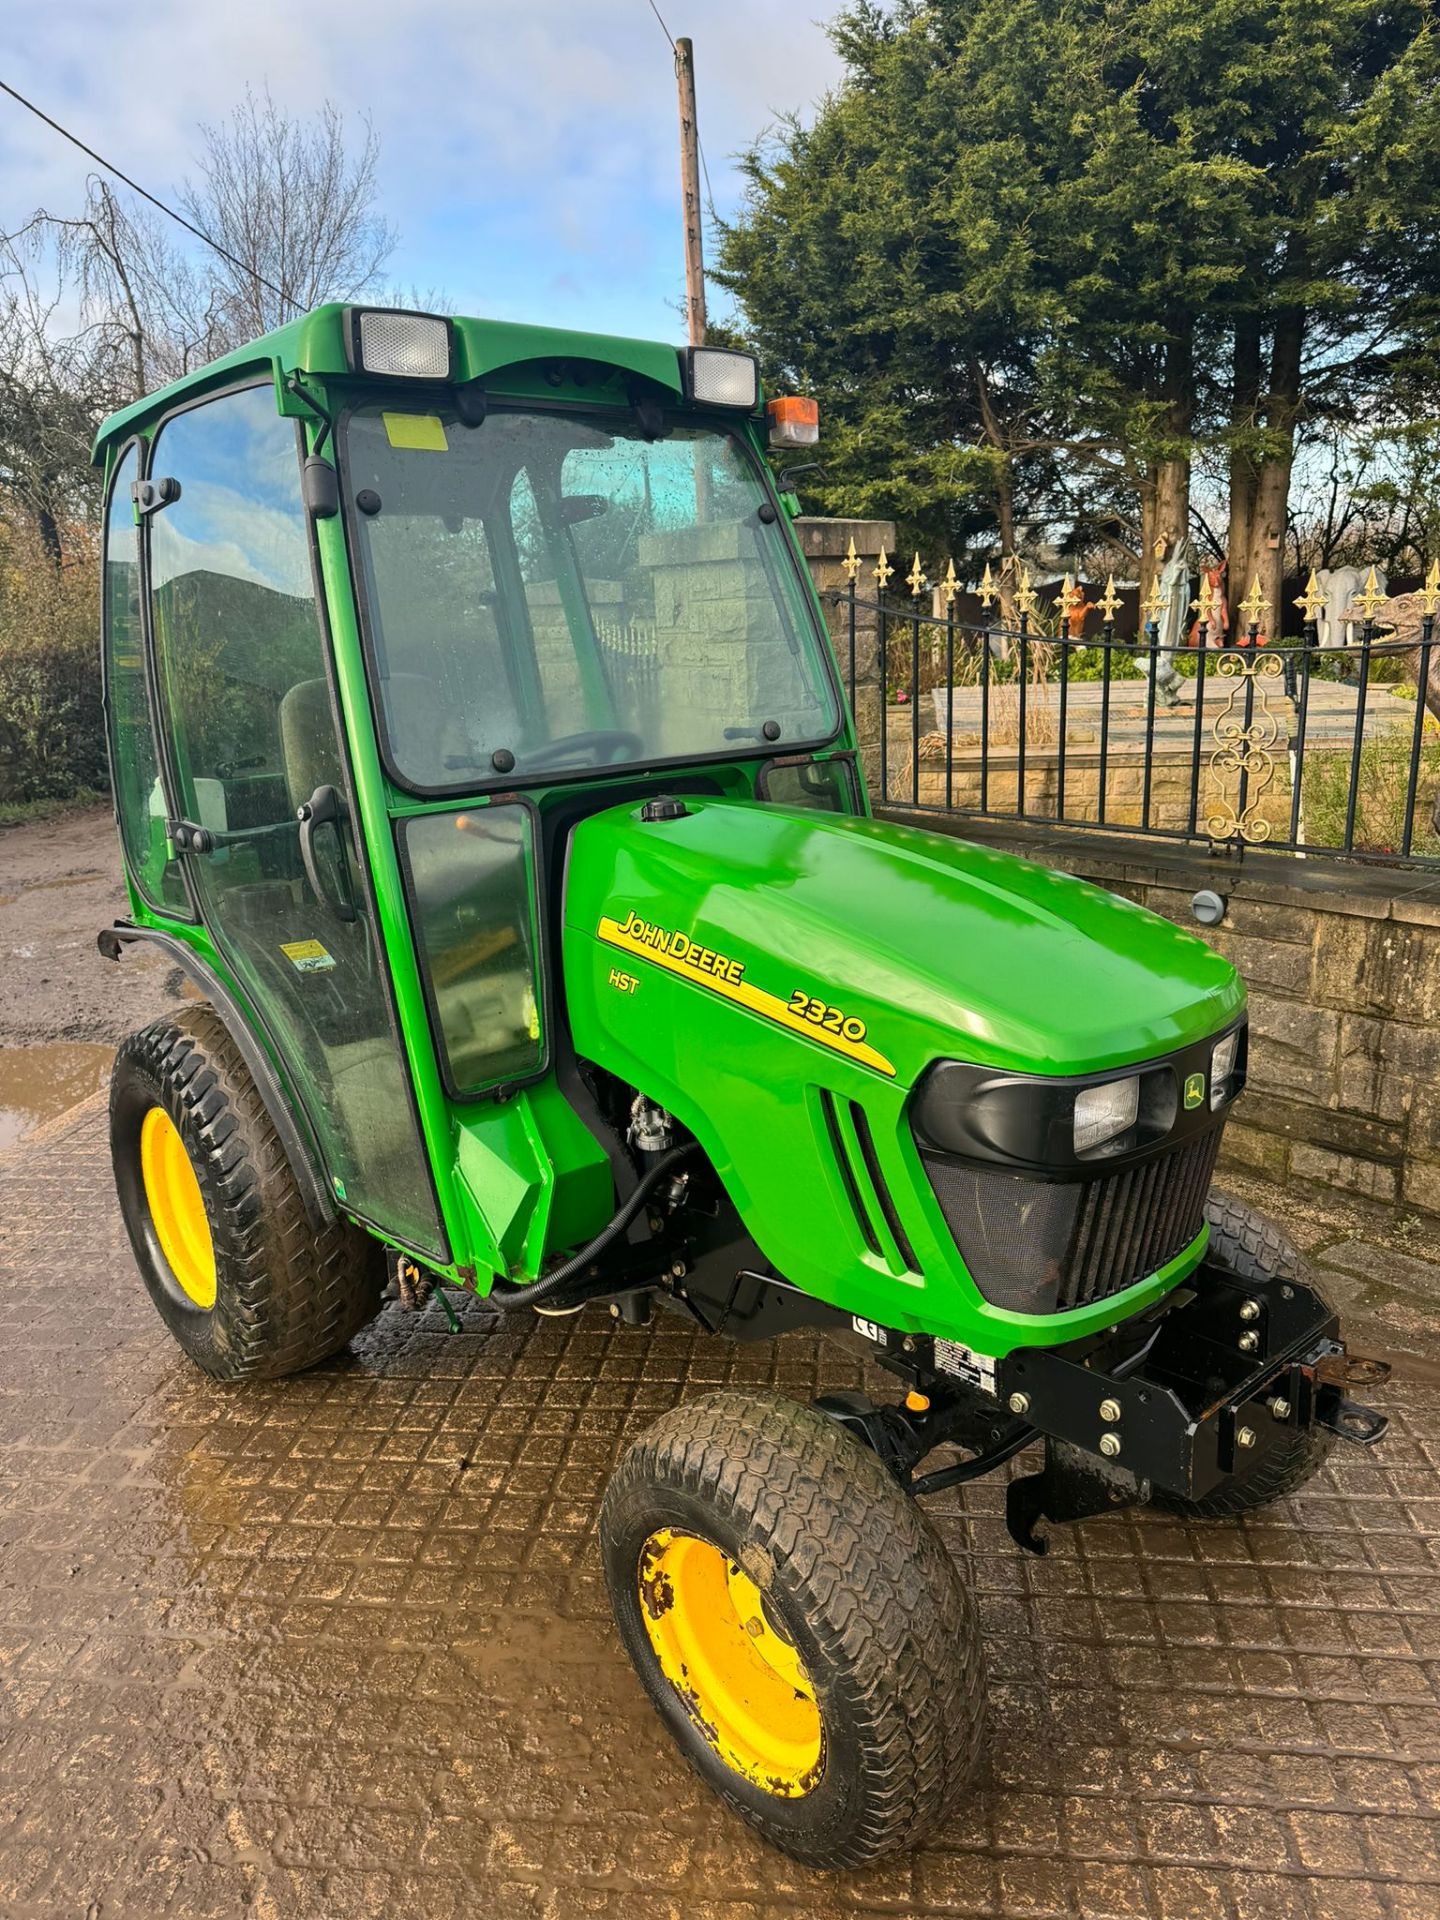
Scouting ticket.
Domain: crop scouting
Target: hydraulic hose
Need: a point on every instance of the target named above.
(551, 1283)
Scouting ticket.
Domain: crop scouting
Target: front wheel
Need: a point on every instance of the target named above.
(246, 1285)
(1245, 1244)
(798, 1624)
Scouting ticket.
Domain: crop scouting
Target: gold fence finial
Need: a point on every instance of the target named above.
(1025, 598)
(850, 565)
(1370, 597)
(949, 586)
(988, 590)
(1155, 604)
(1109, 601)
(1255, 606)
(883, 569)
(1430, 592)
(1311, 600)
(915, 579)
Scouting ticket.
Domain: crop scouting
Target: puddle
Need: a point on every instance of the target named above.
(42, 886)
(38, 1083)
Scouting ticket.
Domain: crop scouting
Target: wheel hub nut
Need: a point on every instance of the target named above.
(1110, 1445)
(1110, 1409)
(1245, 1437)
(1019, 1403)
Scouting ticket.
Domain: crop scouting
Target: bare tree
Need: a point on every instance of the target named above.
(53, 392)
(289, 201)
(295, 205)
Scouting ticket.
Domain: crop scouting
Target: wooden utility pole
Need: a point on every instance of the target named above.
(690, 189)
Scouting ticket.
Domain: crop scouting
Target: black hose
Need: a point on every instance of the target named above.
(551, 1282)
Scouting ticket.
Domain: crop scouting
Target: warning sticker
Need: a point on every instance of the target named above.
(420, 432)
(308, 956)
(963, 1363)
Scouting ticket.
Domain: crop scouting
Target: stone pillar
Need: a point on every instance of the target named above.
(825, 544)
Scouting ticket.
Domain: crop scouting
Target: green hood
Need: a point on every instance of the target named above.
(940, 948)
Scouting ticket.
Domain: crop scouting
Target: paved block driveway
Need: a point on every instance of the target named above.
(339, 1646)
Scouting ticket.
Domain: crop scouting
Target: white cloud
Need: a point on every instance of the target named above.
(529, 150)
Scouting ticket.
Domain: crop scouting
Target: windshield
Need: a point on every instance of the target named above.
(545, 595)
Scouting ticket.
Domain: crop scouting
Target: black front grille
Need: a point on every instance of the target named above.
(1037, 1246)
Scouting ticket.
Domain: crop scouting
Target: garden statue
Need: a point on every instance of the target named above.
(1402, 618)
(1165, 611)
(1336, 621)
(1075, 610)
(1210, 608)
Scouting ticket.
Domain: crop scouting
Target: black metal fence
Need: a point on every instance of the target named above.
(1310, 749)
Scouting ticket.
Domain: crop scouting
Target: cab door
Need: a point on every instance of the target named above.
(258, 770)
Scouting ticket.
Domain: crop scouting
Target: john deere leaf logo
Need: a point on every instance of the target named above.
(1195, 1090)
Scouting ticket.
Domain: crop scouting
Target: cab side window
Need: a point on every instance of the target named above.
(134, 769)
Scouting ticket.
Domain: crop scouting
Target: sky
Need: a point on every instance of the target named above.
(529, 148)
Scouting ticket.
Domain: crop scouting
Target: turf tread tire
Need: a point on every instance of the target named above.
(885, 1625)
(287, 1295)
(1250, 1247)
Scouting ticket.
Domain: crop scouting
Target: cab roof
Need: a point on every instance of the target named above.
(315, 343)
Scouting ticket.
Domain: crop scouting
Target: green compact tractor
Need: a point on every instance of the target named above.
(479, 755)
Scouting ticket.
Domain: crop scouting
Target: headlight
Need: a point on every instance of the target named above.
(1102, 1112)
(408, 346)
(718, 377)
(1222, 1065)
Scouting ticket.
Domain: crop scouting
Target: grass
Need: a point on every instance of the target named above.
(1380, 796)
(24, 813)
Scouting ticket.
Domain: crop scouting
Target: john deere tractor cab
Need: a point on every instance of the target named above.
(478, 754)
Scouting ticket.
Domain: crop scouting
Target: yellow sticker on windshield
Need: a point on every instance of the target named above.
(420, 432)
(307, 956)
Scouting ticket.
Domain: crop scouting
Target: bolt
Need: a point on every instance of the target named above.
(678, 1268)
(1250, 1310)
(1110, 1409)
(907, 1345)
(1019, 1403)
(614, 1309)
(1249, 1343)
(1109, 1445)
(755, 1627)
(1245, 1437)
(1287, 1293)
(1280, 1408)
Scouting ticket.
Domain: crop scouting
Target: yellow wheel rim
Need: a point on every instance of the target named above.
(177, 1210)
(739, 1677)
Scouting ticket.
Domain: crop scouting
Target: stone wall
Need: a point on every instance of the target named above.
(825, 544)
(1342, 961)
(1343, 967)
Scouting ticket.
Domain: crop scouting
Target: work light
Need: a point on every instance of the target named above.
(716, 377)
(1104, 1111)
(406, 346)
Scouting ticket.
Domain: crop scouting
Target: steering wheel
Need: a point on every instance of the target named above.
(611, 742)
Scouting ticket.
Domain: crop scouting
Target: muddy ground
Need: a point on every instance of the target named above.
(62, 1008)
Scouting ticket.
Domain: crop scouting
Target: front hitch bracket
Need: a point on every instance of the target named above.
(1073, 1484)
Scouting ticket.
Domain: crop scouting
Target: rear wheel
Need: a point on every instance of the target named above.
(1244, 1243)
(798, 1624)
(242, 1280)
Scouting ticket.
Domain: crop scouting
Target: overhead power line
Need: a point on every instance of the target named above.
(663, 28)
(154, 199)
(700, 144)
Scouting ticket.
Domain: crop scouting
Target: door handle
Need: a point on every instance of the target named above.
(324, 809)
